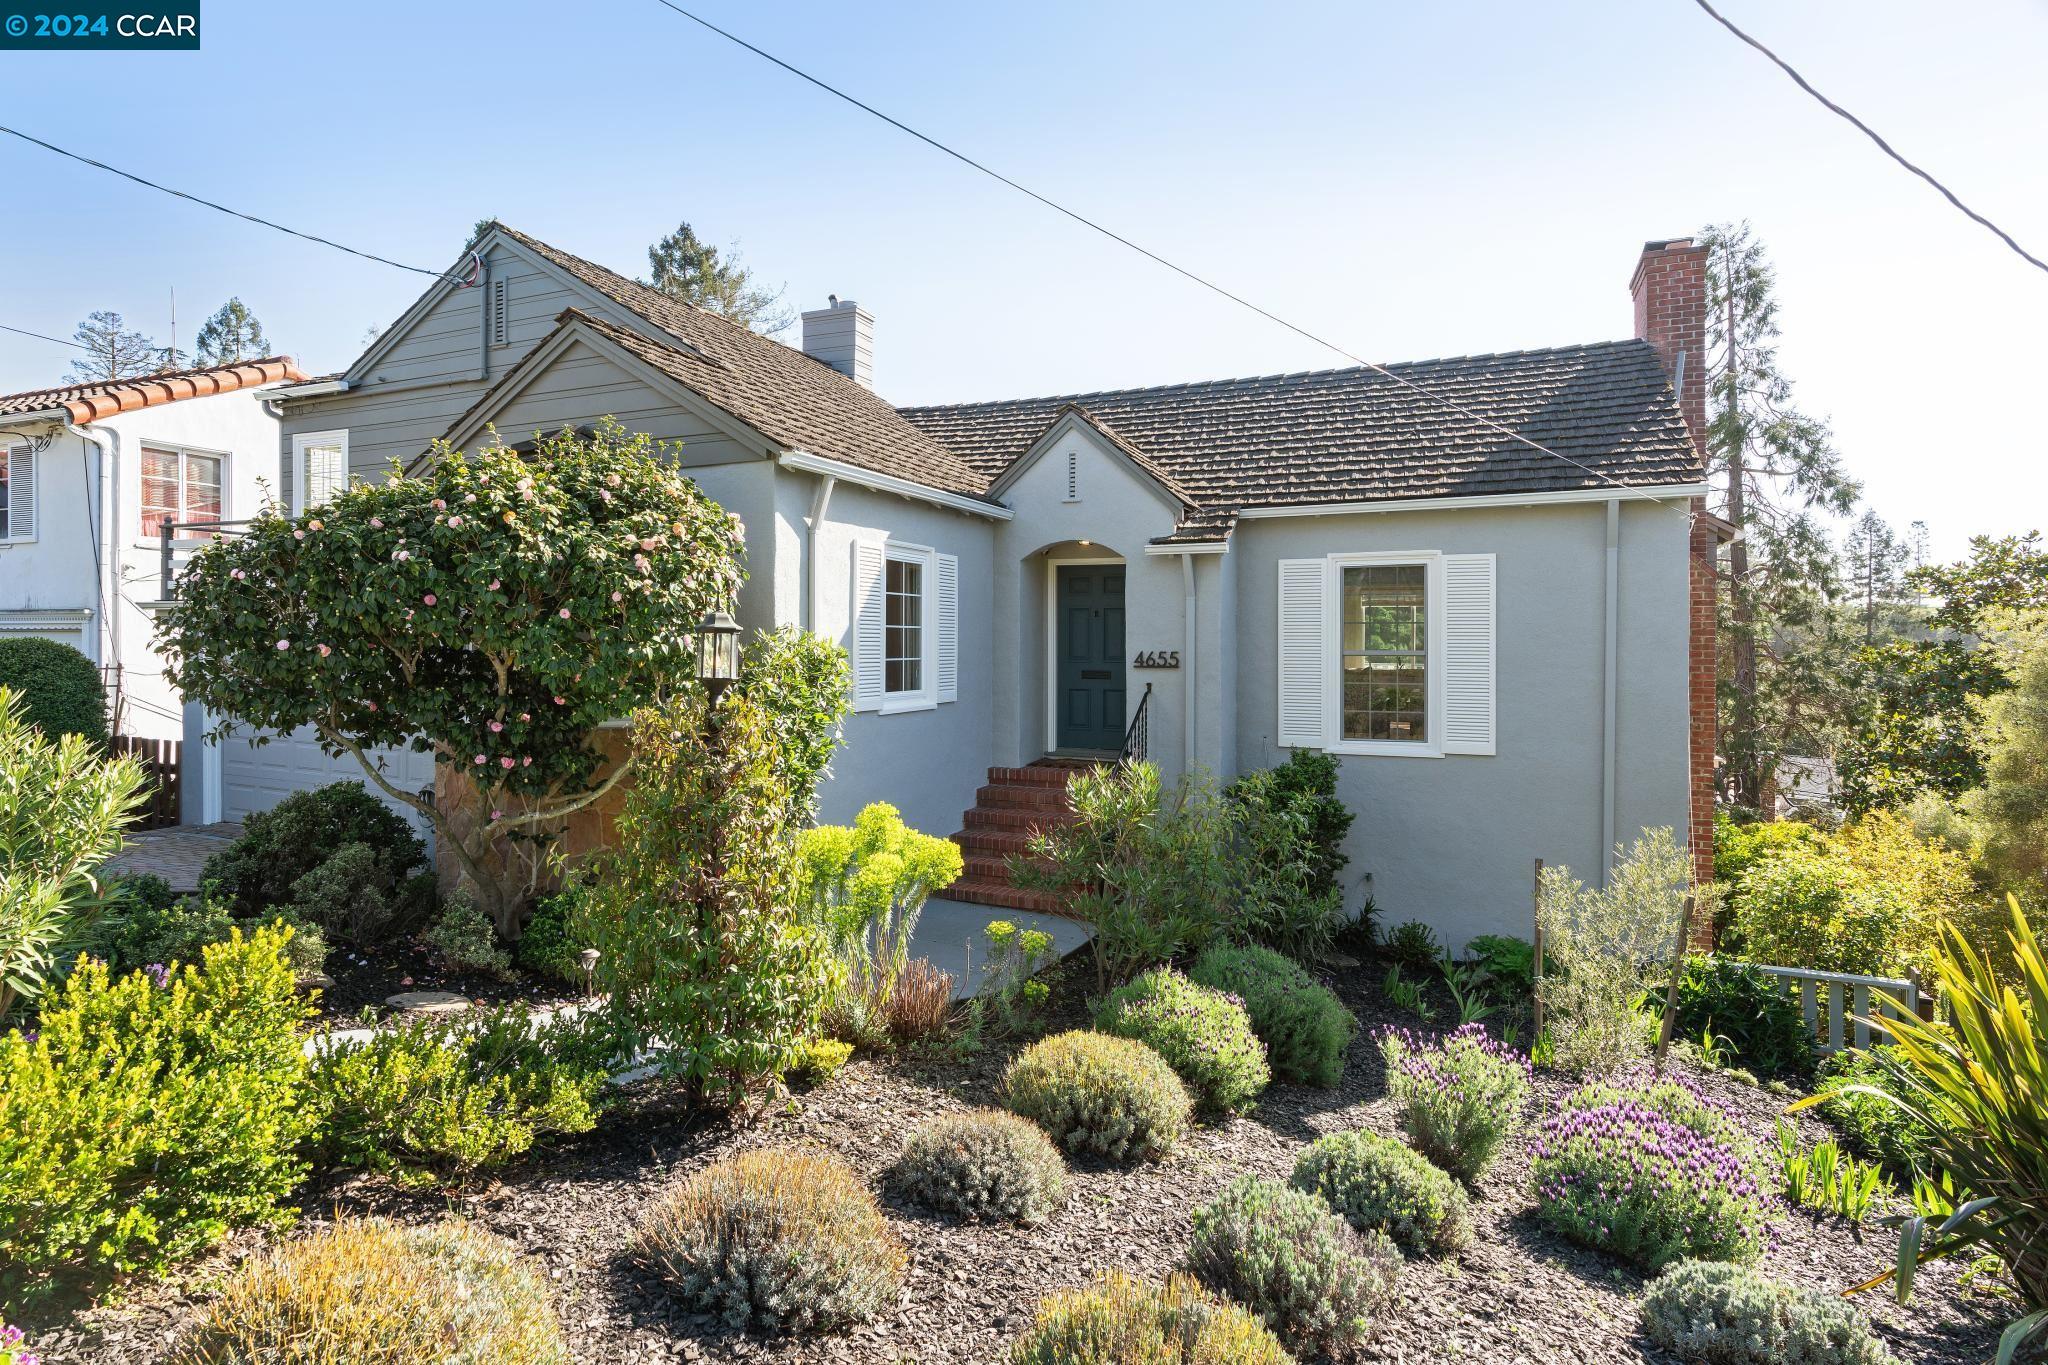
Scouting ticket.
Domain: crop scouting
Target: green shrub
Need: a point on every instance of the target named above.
(465, 940)
(1147, 867)
(819, 1059)
(1807, 908)
(865, 886)
(547, 945)
(1203, 1034)
(984, 1164)
(141, 888)
(62, 809)
(1730, 1315)
(1092, 1093)
(133, 935)
(1734, 1001)
(1740, 847)
(362, 1291)
(1012, 997)
(1282, 1254)
(1285, 827)
(1379, 1184)
(1601, 946)
(351, 896)
(145, 1120)
(1413, 945)
(59, 689)
(1460, 1096)
(1124, 1321)
(1305, 1027)
(775, 1241)
(723, 974)
(1508, 960)
(1871, 1126)
(280, 845)
(1652, 1171)
(451, 1096)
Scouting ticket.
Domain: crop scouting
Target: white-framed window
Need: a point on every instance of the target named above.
(1388, 653)
(17, 494)
(180, 486)
(906, 635)
(319, 467)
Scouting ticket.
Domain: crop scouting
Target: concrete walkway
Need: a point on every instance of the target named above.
(950, 934)
(175, 854)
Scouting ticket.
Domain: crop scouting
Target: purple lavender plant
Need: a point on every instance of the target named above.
(11, 1351)
(159, 974)
(1651, 1170)
(1461, 1095)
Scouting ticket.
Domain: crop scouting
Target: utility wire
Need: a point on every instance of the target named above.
(222, 208)
(1149, 254)
(2029, 257)
(23, 331)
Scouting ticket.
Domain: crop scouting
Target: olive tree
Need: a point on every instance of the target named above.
(495, 609)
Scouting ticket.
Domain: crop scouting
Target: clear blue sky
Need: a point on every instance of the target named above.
(1414, 180)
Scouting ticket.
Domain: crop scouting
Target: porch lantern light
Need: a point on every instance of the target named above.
(718, 654)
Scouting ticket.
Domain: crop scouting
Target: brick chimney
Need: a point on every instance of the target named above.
(1670, 290)
(842, 334)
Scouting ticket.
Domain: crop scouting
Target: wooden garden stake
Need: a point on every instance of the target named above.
(1671, 991)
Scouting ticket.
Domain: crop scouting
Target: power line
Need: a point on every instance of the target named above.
(222, 208)
(1148, 253)
(2029, 257)
(23, 331)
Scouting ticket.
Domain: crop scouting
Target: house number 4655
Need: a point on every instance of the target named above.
(1157, 658)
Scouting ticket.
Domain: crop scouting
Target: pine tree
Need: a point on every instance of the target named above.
(233, 334)
(693, 271)
(1877, 565)
(1778, 476)
(114, 352)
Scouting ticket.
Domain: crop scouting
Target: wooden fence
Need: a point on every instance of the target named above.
(163, 759)
(1838, 1007)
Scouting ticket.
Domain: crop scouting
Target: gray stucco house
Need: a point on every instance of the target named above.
(1510, 649)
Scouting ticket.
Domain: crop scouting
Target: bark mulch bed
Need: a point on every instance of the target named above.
(1516, 1294)
(361, 981)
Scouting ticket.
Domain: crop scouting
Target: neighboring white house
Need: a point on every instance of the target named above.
(89, 476)
(1507, 642)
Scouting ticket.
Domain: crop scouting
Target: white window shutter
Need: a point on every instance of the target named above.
(1305, 654)
(21, 494)
(869, 619)
(1468, 722)
(946, 608)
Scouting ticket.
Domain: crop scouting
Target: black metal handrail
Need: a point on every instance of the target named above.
(166, 541)
(1138, 734)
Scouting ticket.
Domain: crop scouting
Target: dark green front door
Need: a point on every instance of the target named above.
(1090, 645)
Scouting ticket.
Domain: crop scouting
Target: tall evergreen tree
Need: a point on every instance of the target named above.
(113, 352)
(1778, 477)
(1877, 567)
(232, 334)
(684, 267)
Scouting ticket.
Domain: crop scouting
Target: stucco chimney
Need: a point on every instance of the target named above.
(1670, 290)
(842, 334)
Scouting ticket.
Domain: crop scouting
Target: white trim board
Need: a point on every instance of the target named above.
(889, 483)
(1653, 493)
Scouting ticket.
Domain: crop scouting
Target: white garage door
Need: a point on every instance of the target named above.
(256, 777)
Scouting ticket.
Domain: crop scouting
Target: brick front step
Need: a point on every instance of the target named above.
(991, 818)
(1035, 776)
(998, 843)
(985, 867)
(1003, 896)
(1022, 797)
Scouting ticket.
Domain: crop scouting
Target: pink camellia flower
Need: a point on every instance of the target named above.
(618, 597)
(469, 497)
(429, 599)
(376, 523)
(612, 479)
(401, 555)
(494, 585)
(496, 726)
(439, 506)
(298, 535)
(315, 526)
(605, 493)
(560, 702)
(505, 762)
(479, 760)
(526, 762)
(454, 522)
(648, 542)
(564, 613)
(372, 705)
(284, 644)
(236, 574)
(525, 715)
(324, 650)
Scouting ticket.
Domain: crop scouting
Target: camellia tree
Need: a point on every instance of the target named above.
(494, 610)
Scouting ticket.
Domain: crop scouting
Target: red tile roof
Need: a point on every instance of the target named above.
(91, 402)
